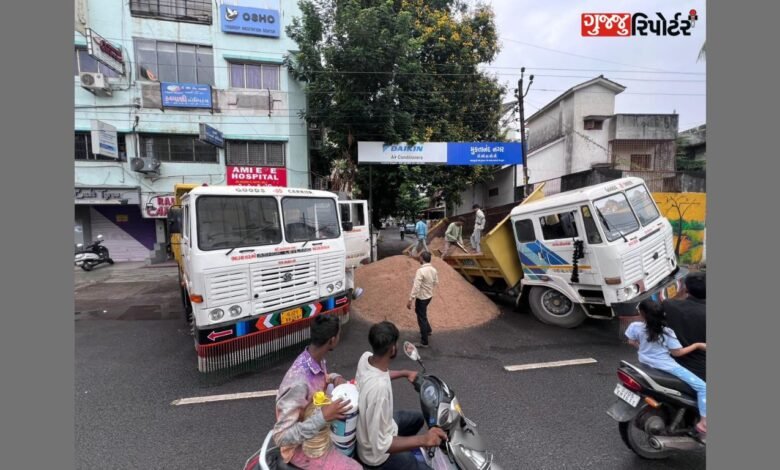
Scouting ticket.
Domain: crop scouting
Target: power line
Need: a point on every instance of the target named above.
(558, 51)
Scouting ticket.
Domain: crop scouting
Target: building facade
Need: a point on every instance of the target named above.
(577, 140)
(197, 93)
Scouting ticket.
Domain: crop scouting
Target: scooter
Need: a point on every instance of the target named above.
(463, 450)
(92, 255)
(656, 412)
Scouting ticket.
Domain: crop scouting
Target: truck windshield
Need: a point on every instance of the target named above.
(237, 221)
(308, 218)
(615, 216)
(643, 204)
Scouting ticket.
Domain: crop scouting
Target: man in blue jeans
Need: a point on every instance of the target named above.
(385, 439)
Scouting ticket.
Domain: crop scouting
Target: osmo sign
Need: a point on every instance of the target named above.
(441, 153)
(252, 21)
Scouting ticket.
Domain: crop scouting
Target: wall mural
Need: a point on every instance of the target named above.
(687, 214)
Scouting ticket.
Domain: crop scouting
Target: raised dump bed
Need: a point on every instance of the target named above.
(498, 267)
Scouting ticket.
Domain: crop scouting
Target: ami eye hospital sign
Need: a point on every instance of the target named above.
(441, 153)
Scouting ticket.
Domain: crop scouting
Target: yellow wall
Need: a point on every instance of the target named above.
(692, 209)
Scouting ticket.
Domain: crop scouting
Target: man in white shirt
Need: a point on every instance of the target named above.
(479, 226)
(385, 439)
(425, 280)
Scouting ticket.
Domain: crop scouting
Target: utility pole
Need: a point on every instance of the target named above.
(521, 109)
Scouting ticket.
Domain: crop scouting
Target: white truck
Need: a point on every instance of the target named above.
(592, 252)
(256, 264)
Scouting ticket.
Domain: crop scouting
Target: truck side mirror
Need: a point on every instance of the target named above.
(174, 220)
(347, 226)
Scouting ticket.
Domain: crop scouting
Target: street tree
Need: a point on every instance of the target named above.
(397, 71)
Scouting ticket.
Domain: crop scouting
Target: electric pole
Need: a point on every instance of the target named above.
(521, 109)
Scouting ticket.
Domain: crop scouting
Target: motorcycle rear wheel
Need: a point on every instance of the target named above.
(109, 261)
(639, 441)
(87, 266)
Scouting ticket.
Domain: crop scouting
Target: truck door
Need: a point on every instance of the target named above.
(358, 240)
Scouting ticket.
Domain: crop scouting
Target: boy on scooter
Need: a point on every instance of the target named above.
(385, 438)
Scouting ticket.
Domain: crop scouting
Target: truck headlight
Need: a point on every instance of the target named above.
(216, 314)
(339, 284)
(235, 310)
(330, 287)
(629, 291)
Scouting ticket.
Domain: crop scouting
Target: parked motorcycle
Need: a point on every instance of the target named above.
(656, 412)
(92, 255)
(463, 450)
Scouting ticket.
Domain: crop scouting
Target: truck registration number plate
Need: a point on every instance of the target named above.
(627, 395)
(671, 291)
(289, 316)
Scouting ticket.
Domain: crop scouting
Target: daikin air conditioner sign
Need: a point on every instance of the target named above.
(441, 153)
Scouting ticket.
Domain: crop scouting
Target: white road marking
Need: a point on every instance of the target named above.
(543, 365)
(229, 396)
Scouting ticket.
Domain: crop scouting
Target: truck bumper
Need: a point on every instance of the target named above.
(666, 289)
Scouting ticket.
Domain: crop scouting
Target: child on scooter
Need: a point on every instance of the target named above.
(657, 344)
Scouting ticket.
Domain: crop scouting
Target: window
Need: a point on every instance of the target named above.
(177, 148)
(640, 162)
(615, 216)
(493, 192)
(83, 62)
(84, 148)
(189, 11)
(254, 153)
(358, 217)
(346, 212)
(186, 223)
(525, 231)
(643, 204)
(237, 221)
(557, 226)
(254, 76)
(593, 124)
(307, 219)
(591, 230)
(174, 62)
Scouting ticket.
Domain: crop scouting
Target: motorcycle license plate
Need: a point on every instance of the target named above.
(627, 395)
(290, 316)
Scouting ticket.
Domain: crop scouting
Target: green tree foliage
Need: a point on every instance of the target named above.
(395, 71)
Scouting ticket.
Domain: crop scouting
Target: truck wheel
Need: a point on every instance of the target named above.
(553, 308)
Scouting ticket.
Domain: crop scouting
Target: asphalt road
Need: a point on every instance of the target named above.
(134, 356)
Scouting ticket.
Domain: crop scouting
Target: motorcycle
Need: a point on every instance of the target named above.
(92, 255)
(656, 412)
(463, 450)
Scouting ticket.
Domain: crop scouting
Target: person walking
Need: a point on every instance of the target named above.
(421, 231)
(479, 226)
(425, 280)
(453, 235)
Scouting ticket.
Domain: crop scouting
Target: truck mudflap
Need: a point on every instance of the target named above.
(252, 344)
(666, 289)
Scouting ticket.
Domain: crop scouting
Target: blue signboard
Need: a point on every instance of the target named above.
(253, 21)
(185, 95)
(210, 135)
(484, 153)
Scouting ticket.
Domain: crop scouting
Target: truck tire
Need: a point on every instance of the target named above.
(553, 308)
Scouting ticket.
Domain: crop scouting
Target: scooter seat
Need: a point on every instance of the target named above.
(668, 380)
(275, 461)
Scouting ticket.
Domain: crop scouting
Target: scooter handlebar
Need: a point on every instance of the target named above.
(417, 384)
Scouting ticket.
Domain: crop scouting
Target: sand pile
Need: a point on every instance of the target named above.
(387, 284)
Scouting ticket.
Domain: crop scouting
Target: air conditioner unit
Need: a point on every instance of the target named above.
(145, 164)
(95, 83)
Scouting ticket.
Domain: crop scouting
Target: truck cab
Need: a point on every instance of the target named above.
(596, 251)
(255, 264)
